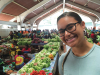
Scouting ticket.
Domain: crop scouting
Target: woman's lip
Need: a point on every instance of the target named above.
(71, 39)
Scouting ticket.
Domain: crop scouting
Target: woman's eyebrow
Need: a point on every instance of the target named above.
(61, 29)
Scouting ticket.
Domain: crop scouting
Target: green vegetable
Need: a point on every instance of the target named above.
(19, 43)
(30, 70)
(46, 70)
(1, 47)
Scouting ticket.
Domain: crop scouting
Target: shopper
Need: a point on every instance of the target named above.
(49, 35)
(34, 34)
(11, 35)
(15, 35)
(27, 49)
(92, 35)
(19, 60)
(0, 38)
(31, 35)
(19, 34)
(83, 57)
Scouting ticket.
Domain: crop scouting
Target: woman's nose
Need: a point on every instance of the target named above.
(67, 33)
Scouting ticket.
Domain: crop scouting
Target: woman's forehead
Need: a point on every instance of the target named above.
(65, 21)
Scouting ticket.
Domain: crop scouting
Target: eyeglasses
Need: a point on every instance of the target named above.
(69, 28)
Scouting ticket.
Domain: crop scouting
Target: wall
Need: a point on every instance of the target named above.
(5, 32)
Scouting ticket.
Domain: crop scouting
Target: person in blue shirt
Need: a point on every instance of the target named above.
(19, 34)
(83, 57)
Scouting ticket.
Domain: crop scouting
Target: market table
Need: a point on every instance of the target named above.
(4, 51)
(39, 44)
(51, 64)
(50, 68)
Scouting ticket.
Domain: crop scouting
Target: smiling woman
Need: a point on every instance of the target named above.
(82, 53)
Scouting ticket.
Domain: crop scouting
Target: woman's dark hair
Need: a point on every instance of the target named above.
(16, 33)
(19, 52)
(92, 32)
(22, 32)
(15, 42)
(72, 14)
(27, 46)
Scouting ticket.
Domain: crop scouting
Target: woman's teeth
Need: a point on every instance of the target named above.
(71, 39)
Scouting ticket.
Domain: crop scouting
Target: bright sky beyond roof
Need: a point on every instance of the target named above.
(51, 21)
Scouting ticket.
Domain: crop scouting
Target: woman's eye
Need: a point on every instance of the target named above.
(70, 27)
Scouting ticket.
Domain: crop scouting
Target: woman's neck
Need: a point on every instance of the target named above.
(82, 49)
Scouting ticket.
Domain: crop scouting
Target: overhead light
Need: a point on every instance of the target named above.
(35, 0)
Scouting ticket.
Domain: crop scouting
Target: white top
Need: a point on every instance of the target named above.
(67, 48)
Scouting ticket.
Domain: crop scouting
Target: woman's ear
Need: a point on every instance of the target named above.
(83, 25)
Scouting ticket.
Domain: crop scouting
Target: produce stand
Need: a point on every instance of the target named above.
(44, 60)
(3, 50)
(39, 44)
(50, 68)
(0, 42)
(51, 64)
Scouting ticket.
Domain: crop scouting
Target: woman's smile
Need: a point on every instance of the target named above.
(71, 39)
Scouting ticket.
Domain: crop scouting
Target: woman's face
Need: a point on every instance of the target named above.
(26, 47)
(74, 38)
(10, 32)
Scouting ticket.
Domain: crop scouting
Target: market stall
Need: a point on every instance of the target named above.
(44, 60)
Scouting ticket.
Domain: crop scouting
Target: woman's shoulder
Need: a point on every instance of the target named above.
(62, 56)
(96, 46)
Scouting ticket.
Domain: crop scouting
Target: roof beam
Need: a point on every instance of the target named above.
(84, 8)
(44, 7)
(34, 13)
(54, 1)
(8, 14)
(38, 0)
(91, 17)
(95, 1)
(86, 3)
(97, 8)
(44, 12)
(63, 5)
(4, 3)
(20, 5)
(73, 0)
(53, 12)
(23, 15)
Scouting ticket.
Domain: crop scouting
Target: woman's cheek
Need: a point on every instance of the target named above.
(63, 40)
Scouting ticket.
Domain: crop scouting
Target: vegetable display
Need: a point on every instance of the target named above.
(98, 38)
(89, 40)
(24, 41)
(37, 40)
(42, 59)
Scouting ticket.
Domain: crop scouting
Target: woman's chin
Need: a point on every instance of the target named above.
(71, 44)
